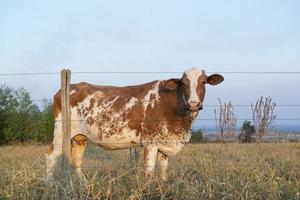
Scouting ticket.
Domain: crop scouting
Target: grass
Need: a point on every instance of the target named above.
(200, 171)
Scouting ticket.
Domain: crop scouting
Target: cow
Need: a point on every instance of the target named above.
(157, 116)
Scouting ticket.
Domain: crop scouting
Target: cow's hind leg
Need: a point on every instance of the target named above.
(78, 147)
(54, 151)
(163, 162)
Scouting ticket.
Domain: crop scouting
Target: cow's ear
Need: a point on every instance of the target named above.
(172, 84)
(215, 79)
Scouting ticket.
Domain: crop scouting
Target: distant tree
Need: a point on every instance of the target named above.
(46, 124)
(263, 116)
(20, 126)
(247, 132)
(21, 120)
(197, 136)
(7, 104)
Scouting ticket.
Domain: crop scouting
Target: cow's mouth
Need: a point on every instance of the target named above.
(194, 109)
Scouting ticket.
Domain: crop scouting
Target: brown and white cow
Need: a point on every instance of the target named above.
(157, 116)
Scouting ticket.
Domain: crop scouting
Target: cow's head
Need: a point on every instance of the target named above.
(192, 87)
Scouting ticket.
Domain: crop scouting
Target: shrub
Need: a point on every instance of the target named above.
(21, 120)
(247, 132)
(197, 136)
(293, 140)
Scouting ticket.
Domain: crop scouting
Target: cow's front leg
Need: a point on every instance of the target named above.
(78, 146)
(163, 162)
(150, 155)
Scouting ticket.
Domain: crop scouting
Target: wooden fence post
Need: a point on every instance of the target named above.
(66, 117)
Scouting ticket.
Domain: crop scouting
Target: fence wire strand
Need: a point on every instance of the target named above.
(205, 105)
(151, 72)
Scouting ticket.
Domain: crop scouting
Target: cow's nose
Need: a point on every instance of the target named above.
(194, 104)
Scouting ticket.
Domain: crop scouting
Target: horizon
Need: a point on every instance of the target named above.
(282, 128)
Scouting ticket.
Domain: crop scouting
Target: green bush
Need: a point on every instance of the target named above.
(3, 198)
(21, 120)
(197, 136)
(247, 132)
(293, 140)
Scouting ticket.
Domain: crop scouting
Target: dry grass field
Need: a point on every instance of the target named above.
(200, 171)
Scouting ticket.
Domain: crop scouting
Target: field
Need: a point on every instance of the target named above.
(200, 171)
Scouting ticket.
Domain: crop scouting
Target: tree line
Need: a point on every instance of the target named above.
(21, 120)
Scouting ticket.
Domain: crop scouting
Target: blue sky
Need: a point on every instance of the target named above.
(40, 36)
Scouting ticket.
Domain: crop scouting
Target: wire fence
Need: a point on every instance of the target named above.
(171, 120)
(97, 161)
(295, 105)
(138, 166)
(129, 166)
(209, 105)
(152, 72)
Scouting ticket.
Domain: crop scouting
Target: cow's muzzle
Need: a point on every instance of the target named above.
(194, 106)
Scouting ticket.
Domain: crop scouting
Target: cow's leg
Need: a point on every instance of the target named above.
(54, 151)
(163, 162)
(78, 146)
(150, 155)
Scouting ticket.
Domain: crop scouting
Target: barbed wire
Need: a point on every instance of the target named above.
(135, 167)
(160, 120)
(208, 105)
(141, 167)
(168, 72)
(46, 99)
(157, 72)
(178, 72)
(276, 137)
(150, 72)
(166, 120)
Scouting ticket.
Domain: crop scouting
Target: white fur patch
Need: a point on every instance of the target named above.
(72, 92)
(154, 91)
(131, 103)
(193, 75)
(146, 101)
